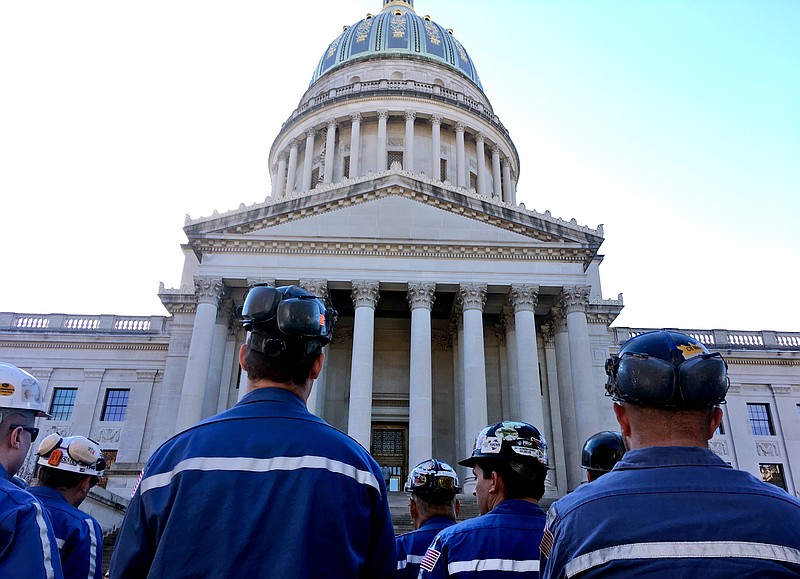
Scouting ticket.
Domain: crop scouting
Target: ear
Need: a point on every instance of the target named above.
(496, 482)
(716, 420)
(242, 352)
(458, 507)
(623, 419)
(412, 508)
(317, 367)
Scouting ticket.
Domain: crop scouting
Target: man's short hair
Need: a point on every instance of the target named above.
(517, 486)
(57, 479)
(292, 365)
(429, 510)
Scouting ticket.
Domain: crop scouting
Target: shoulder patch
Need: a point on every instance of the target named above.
(429, 560)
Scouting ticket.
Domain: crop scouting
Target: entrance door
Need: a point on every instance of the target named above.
(389, 444)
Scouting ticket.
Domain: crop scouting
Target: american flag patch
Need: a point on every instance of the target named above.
(429, 560)
(546, 546)
(138, 482)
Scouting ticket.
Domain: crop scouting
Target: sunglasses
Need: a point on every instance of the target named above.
(34, 432)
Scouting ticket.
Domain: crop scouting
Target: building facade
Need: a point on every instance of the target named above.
(394, 197)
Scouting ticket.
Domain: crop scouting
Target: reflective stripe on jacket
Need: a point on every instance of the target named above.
(411, 547)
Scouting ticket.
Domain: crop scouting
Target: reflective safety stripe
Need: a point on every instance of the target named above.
(92, 548)
(709, 549)
(46, 547)
(492, 565)
(245, 464)
(60, 543)
(409, 559)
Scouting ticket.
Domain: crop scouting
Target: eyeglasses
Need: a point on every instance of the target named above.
(34, 432)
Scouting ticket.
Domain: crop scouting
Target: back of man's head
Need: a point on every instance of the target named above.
(433, 485)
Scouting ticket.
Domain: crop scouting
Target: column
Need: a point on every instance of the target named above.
(787, 425)
(505, 165)
(359, 422)
(316, 400)
(217, 361)
(497, 182)
(208, 292)
(355, 144)
(436, 147)
(280, 177)
(380, 162)
(513, 189)
(523, 298)
(473, 298)
(566, 399)
(457, 331)
(408, 143)
(511, 353)
(291, 180)
(556, 441)
(480, 157)
(330, 151)
(308, 160)
(420, 392)
(575, 299)
(461, 160)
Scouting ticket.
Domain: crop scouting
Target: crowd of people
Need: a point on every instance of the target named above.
(267, 489)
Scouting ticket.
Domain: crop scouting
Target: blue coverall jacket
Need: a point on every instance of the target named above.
(501, 544)
(79, 536)
(27, 544)
(412, 546)
(264, 489)
(674, 511)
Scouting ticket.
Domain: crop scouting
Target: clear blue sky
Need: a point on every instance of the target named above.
(676, 124)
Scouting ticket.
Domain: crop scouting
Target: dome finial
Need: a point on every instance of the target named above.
(398, 3)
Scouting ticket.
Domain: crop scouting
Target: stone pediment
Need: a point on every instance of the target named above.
(396, 209)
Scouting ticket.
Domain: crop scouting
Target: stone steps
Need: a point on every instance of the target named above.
(398, 506)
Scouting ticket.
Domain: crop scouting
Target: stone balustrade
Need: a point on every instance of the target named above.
(10, 321)
(725, 339)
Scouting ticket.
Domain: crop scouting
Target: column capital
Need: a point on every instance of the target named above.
(365, 293)
(575, 298)
(436, 120)
(460, 127)
(503, 161)
(410, 115)
(383, 114)
(495, 150)
(480, 137)
(421, 295)
(251, 281)
(311, 133)
(331, 123)
(548, 334)
(510, 322)
(208, 290)
(355, 117)
(283, 156)
(472, 296)
(295, 143)
(523, 297)
(558, 319)
(318, 287)
(225, 312)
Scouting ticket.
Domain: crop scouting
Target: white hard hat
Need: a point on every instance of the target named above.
(20, 390)
(73, 453)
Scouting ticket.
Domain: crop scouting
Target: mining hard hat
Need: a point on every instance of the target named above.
(276, 314)
(19, 390)
(518, 444)
(664, 369)
(434, 482)
(74, 454)
(602, 451)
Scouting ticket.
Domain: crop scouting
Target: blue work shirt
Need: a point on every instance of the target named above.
(501, 544)
(674, 511)
(411, 547)
(264, 489)
(27, 544)
(78, 535)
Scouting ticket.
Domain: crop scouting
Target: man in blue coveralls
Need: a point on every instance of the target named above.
(27, 544)
(433, 505)
(68, 469)
(264, 489)
(509, 461)
(671, 507)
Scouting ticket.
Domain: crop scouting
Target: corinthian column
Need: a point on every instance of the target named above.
(365, 297)
(330, 152)
(280, 178)
(510, 325)
(566, 398)
(308, 160)
(436, 146)
(505, 165)
(207, 292)
(461, 159)
(574, 300)
(473, 298)
(355, 144)
(380, 162)
(480, 154)
(496, 180)
(523, 298)
(291, 180)
(316, 400)
(408, 143)
(420, 392)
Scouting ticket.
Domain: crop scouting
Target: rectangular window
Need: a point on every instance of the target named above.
(63, 403)
(315, 178)
(473, 181)
(115, 405)
(346, 169)
(442, 169)
(395, 157)
(773, 474)
(760, 419)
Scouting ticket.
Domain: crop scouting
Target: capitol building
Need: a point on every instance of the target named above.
(394, 196)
